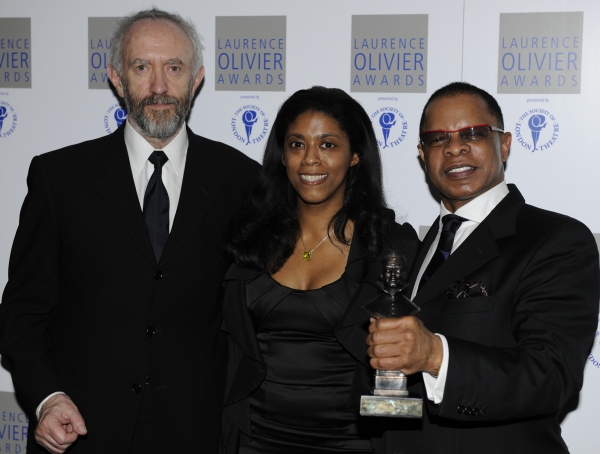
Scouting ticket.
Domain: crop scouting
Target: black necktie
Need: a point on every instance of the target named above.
(451, 223)
(156, 205)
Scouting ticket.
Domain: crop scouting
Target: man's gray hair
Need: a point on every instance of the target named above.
(124, 24)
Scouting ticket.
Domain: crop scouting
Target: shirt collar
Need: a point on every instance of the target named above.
(139, 150)
(481, 206)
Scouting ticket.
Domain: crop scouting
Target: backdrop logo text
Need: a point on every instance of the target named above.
(15, 52)
(389, 53)
(540, 52)
(250, 53)
(100, 30)
(13, 425)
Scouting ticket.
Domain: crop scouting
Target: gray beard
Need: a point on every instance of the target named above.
(161, 125)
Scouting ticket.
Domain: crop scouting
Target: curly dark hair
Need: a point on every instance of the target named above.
(264, 234)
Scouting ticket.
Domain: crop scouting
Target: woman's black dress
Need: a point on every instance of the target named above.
(302, 405)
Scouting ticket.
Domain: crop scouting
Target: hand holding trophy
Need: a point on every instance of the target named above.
(390, 395)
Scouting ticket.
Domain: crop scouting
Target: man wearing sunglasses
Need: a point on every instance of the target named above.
(508, 296)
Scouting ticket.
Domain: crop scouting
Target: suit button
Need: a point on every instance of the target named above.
(461, 409)
(150, 331)
(158, 275)
(136, 388)
(469, 411)
(476, 412)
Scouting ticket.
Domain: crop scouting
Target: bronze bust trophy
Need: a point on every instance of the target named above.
(390, 396)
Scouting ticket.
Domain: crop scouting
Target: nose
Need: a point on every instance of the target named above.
(456, 146)
(158, 84)
(311, 156)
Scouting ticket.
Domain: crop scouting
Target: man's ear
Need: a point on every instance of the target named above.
(198, 79)
(505, 144)
(114, 77)
(422, 155)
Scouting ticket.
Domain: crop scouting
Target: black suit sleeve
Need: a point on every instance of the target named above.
(551, 308)
(31, 296)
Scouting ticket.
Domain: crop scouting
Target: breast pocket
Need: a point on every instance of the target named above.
(482, 319)
(468, 304)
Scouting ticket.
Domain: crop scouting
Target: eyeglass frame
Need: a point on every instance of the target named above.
(491, 128)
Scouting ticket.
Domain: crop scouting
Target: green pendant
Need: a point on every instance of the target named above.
(307, 255)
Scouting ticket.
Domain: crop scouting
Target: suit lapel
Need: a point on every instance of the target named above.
(420, 258)
(117, 187)
(478, 249)
(198, 188)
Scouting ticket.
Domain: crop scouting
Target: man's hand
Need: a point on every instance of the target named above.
(404, 344)
(59, 425)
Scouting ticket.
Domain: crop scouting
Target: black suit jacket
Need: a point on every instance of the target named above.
(88, 311)
(246, 367)
(517, 355)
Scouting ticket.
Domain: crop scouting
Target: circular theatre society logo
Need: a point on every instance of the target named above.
(537, 130)
(114, 118)
(594, 356)
(8, 120)
(249, 124)
(390, 127)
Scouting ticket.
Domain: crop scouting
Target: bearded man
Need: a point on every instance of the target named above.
(111, 317)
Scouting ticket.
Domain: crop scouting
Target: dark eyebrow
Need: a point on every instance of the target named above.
(328, 134)
(325, 135)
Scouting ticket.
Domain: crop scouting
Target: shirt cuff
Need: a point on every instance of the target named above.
(435, 385)
(39, 407)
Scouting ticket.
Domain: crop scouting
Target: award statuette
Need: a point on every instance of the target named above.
(390, 396)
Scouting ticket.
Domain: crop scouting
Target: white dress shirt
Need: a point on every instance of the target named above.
(475, 212)
(139, 150)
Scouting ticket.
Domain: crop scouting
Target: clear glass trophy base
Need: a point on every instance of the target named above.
(390, 397)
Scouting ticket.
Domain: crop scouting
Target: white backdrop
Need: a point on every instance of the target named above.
(462, 43)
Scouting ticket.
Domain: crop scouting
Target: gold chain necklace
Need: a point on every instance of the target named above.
(308, 254)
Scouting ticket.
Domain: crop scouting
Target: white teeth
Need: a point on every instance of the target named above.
(459, 169)
(312, 177)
